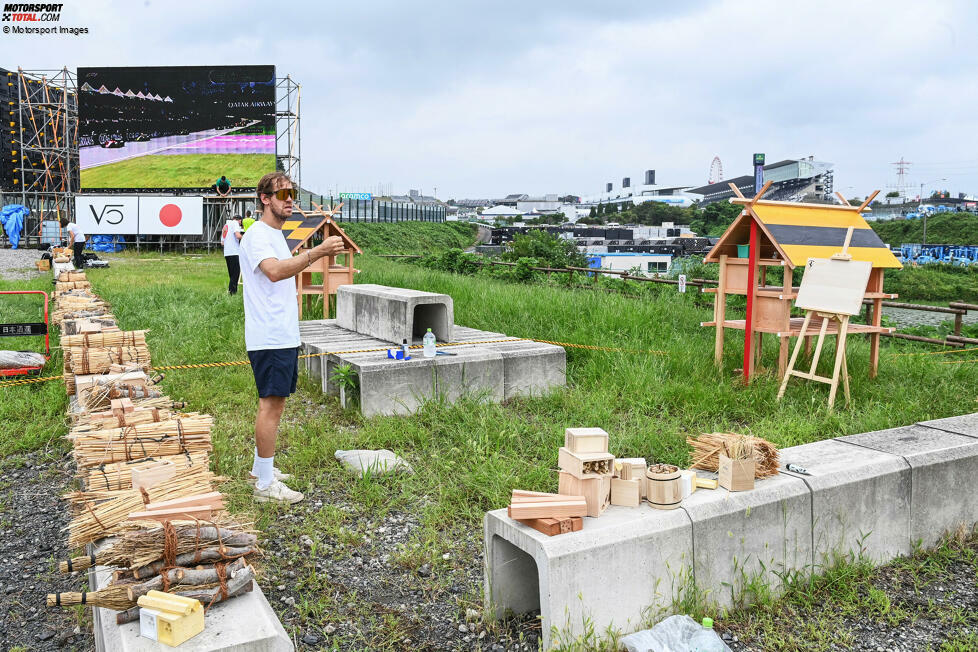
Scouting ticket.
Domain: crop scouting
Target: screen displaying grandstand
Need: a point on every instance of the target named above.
(175, 127)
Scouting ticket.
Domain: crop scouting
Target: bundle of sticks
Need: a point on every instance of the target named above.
(708, 446)
(118, 475)
(84, 360)
(101, 513)
(99, 396)
(89, 422)
(64, 277)
(181, 435)
(209, 585)
(133, 339)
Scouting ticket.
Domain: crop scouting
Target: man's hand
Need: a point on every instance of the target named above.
(331, 246)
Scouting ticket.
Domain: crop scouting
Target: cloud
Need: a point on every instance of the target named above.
(483, 99)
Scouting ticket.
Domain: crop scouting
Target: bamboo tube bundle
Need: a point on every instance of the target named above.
(118, 475)
(135, 339)
(64, 286)
(708, 446)
(121, 596)
(138, 550)
(85, 360)
(183, 435)
(97, 398)
(64, 277)
(109, 516)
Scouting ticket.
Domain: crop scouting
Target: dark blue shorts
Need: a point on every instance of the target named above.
(276, 371)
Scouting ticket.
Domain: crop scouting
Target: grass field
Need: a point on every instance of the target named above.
(473, 453)
(179, 171)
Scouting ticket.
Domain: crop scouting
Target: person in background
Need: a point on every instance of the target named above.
(248, 221)
(76, 240)
(230, 238)
(222, 186)
(272, 323)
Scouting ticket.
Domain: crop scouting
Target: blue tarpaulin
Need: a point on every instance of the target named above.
(12, 218)
(105, 244)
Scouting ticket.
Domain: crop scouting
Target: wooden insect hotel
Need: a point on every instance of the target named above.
(301, 231)
(786, 234)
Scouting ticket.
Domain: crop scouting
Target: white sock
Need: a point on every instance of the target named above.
(264, 466)
(254, 464)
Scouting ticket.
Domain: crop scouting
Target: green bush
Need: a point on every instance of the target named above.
(549, 250)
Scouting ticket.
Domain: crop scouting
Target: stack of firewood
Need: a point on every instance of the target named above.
(144, 467)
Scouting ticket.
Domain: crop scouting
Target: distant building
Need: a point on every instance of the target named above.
(640, 193)
(792, 180)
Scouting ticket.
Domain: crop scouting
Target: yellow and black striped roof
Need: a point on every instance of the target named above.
(802, 231)
(301, 227)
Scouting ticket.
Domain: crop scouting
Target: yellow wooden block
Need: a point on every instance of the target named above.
(174, 621)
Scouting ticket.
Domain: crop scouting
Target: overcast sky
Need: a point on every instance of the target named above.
(482, 99)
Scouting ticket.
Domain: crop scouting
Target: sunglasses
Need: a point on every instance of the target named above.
(284, 193)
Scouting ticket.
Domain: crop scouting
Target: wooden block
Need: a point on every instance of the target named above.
(736, 475)
(635, 472)
(572, 506)
(554, 526)
(212, 499)
(586, 440)
(706, 483)
(627, 493)
(187, 514)
(148, 476)
(585, 465)
(120, 406)
(86, 326)
(596, 491)
(524, 493)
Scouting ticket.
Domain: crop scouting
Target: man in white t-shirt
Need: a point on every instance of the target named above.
(76, 240)
(230, 236)
(272, 323)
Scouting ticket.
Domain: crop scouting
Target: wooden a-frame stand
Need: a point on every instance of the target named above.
(840, 345)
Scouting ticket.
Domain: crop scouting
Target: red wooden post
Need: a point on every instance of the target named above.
(751, 291)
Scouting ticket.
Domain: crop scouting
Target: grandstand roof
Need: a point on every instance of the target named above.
(797, 232)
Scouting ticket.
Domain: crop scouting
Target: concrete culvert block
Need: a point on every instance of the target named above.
(394, 314)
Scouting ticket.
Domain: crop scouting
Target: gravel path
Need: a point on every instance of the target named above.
(18, 264)
(31, 517)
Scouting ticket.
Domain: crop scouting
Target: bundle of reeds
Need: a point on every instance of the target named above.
(708, 446)
(84, 360)
(64, 277)
(123, 595)
(183, 435)
(139, 550)
(118, 475)
(99, 519)
(134, 339)
(64, 286)
(102, 420)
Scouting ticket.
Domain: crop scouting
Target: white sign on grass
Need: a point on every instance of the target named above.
(107, 214)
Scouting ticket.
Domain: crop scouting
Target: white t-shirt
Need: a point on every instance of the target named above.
(76, 232)
(271, 309)
(231, 244)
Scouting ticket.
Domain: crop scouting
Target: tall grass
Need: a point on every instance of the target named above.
(470, 454)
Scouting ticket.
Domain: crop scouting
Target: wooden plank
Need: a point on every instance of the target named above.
(187, 514)
(554, 526)
(212, 499)
(547, 510)
(748, 364)
(596, 491)
(525, 492)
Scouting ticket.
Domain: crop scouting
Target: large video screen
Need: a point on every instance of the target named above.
(175, 127)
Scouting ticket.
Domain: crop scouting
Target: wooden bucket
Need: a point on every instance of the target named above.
(664, 489)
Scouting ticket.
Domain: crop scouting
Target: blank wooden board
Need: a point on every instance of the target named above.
(834, 285)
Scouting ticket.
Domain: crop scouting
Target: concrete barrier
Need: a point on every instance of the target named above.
(394, 314)
(873, 495)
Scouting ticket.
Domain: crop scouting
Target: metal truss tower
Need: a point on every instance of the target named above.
(46, 142)
(288, 143)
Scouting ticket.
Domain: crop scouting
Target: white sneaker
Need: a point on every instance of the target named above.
(277, 493)
(278, 475)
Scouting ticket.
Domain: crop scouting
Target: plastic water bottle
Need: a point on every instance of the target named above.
(706, 640)
(429, 344)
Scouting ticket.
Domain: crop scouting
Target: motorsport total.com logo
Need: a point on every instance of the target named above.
(30, 13)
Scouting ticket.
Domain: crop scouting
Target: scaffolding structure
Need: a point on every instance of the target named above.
(288, 144)
(45, 136)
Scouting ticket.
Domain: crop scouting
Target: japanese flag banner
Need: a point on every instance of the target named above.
(171, 215)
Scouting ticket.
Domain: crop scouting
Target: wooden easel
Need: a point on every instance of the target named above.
(827, 317)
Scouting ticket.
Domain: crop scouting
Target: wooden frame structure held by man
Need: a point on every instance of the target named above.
(786, 235)
(299, 233)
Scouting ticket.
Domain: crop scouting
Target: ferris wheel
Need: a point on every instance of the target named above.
(716, 171)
